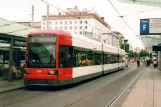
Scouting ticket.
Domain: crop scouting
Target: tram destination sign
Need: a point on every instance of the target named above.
(150, 26)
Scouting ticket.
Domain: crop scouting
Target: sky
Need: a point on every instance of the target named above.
(20, 10)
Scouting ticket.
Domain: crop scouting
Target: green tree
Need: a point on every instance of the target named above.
(131, 54)
(144, 53)
(125, 47)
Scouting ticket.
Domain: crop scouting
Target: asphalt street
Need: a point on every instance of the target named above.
(98, 92)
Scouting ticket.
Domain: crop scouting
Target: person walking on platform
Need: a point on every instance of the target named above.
(155, 63)
(138, 62)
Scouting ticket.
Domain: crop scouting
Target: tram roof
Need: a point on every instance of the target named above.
(13, 28)
(61, 32)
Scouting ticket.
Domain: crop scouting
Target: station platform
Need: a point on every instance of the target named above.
(147, 91)
(7, 86)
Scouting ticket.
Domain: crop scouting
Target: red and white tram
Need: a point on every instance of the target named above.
(55, 57)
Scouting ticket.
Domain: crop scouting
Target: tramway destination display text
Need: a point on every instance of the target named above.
(150, 26)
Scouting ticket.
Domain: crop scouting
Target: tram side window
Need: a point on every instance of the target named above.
(109, 58)
(105, 58)
(83, 58)
(120, 58)
(98, 58)
(90, 58)
(113, 58)
(65, 56)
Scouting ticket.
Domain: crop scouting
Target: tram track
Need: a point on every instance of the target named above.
(122, 91)
(57, 92)
(114, 99)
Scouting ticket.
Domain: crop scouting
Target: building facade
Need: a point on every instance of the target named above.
(84, 23)
(78, 22)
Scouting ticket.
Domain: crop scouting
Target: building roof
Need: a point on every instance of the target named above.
(13, 28)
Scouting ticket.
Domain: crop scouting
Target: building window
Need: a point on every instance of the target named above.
(85, 32)
(44, 23)
(70, 27)
(60, 28)
(65, 28)
(80, 22)
(70, 22)
(75, 32)
(56, 28)
(80, 32)
(86, 21)
(49, 23)
(56, 22)
(85, 27)
(65, 22)
(75, 27)
(61, 22)
(80, 27)
(75, 22)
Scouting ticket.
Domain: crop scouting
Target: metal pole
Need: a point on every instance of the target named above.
(47, 16)
(32, 22)
(10, 59)
(124, 45)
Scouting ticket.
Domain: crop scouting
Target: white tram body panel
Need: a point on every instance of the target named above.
(83, 42)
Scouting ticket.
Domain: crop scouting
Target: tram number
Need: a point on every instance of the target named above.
(38, 71)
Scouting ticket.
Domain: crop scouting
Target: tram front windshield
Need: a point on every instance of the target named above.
(41, 51)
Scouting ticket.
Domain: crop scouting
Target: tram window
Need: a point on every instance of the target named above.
(62, 56)
(120, 58)
(108, 58)
(90, 58)
(70, 56)
(105, 58)
(65, 56)
(83, 59)
(77, 58)
(98, 58)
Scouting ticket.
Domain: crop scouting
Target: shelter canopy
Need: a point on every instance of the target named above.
(13, 28)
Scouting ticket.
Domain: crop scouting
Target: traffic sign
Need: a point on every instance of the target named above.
(150, 26)
(144, 26)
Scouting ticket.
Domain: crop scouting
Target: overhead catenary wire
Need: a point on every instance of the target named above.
(122, 17)
(140, 12)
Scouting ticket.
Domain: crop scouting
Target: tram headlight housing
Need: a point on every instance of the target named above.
(52, 72)
(27, 72)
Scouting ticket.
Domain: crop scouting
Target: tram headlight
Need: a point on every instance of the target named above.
(27, 72)
(52, 72)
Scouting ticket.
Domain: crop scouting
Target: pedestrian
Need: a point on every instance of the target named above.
(126, 62)
(155, 63)
(138, 63)
(129, 61)
(17, 72)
